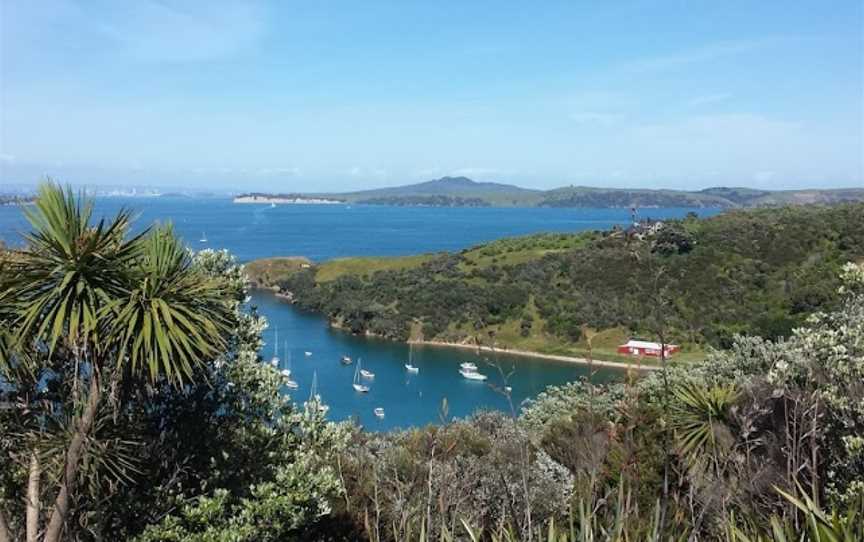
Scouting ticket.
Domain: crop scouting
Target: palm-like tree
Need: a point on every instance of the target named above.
(115, 307)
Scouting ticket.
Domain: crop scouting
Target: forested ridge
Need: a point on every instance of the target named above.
(754, 272)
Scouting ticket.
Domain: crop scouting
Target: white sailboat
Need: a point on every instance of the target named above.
(345, 360)
(274, 361)
(410, 365)
(272, 205)
(362, 388)
(203, 237)
(315, 399)
(286, 372)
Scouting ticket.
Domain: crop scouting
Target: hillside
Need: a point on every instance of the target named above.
(759, 272)
(464, 192)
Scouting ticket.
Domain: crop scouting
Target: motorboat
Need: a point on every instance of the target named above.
(472, 375)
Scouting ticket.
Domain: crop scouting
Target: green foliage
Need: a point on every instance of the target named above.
(760, 273)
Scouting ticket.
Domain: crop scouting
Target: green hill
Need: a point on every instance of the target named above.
(760, 272)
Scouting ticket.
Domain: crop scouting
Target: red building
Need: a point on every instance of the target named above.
(645, 348)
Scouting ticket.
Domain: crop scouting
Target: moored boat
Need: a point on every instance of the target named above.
(362, 388)
(472, 375)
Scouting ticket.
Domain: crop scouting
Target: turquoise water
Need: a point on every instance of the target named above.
(328, 231)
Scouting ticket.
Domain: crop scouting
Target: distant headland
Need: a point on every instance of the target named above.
(464, 192)
(285, 199)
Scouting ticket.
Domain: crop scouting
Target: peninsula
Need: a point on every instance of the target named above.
(696, 282)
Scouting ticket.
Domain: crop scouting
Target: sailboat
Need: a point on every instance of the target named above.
(203, 237)
(362, 388)
(314, 399)
(410, 365)
(364, 373)
(272, 205)
(286, 372)
(275, 360)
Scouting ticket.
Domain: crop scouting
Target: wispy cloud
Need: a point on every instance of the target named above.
(707, 99)
(178, 31)
(700, 55)
(593, 117)
(368, 173)
(279, 172)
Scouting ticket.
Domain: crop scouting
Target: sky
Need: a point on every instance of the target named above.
(329, 96)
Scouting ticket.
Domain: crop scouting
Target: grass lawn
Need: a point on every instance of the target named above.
(334, 269)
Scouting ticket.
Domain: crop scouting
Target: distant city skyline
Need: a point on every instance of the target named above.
(341, 96)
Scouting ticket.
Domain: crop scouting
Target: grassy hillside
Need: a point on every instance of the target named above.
(759, 272)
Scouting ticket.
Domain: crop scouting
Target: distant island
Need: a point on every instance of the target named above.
(464, 192)
(753, 272)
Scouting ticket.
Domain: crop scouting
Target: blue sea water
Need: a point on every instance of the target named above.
(323, 232)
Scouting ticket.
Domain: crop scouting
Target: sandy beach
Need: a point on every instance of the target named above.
(634, 366)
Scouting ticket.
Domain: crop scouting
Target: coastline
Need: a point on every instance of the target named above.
(288, 298)
(554, 357)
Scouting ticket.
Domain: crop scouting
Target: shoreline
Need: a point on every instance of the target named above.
(555, 357)
(288, 298)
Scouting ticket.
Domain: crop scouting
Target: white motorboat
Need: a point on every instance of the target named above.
(472, 375)
(307, 353)
(379, 412)
(468, 366)
(367, 374)
(346, 360)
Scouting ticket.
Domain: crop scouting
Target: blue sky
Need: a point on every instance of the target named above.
(342, 95)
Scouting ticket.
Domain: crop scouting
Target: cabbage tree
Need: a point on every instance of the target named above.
(90, 307)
